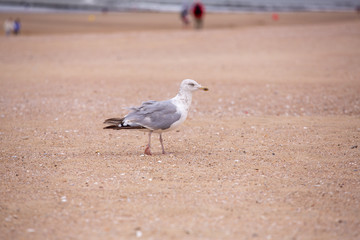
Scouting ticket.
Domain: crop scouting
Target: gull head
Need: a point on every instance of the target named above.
(190, 85)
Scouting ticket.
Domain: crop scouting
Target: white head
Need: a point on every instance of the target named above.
(190, 85)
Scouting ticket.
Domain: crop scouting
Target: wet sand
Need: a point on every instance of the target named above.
(270, 152)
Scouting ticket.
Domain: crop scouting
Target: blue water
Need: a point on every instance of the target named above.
(175, 5)
(251, 5)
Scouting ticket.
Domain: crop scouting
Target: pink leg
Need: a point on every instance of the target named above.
(162, 145)
(147, 149)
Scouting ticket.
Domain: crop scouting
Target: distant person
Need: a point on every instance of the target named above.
(198, 11)
(8, 26)
(184, 14)
(17, 26)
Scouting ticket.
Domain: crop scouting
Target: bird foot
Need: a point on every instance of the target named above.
(147, 151)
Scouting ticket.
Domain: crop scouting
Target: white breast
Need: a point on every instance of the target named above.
(182, 104)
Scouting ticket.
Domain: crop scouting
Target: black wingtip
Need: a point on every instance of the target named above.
(114, 127)
(116, 121)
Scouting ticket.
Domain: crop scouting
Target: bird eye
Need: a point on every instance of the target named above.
(191, 85)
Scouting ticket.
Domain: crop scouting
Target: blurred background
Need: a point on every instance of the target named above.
(173, 5)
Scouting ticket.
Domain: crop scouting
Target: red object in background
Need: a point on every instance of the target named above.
(275, 16)
(198, 10)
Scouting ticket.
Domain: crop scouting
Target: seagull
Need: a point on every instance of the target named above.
(158, 116)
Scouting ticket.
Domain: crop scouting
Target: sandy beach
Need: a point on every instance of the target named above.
(270, 152)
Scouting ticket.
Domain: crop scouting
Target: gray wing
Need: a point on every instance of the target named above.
(154, 115)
